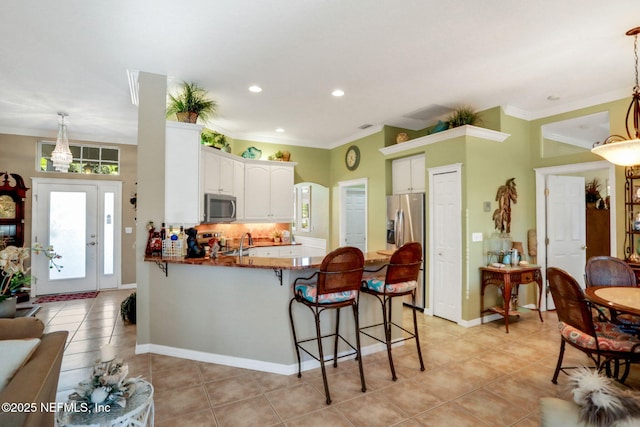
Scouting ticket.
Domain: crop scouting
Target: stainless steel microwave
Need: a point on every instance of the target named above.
(219, 208)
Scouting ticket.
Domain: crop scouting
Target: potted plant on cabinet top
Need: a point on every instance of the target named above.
(464, 116)
(190, 103)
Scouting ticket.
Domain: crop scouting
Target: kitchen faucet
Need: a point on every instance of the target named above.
(242, 241)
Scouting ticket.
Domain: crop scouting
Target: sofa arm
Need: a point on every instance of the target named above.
(22, 327)
(36, 382)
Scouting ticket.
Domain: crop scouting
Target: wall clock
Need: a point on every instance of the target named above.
(352, 158)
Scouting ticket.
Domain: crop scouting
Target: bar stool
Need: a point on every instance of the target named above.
(337, 285)
(400, 279)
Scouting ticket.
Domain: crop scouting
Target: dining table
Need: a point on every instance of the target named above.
(619, 298)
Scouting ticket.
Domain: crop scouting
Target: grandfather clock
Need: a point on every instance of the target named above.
(12, 210)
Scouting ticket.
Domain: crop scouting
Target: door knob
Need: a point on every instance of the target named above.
(584, 247)
(91, 243)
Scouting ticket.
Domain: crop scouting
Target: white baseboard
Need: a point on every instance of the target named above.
(239, 362)
(478, 321)
(128, 286)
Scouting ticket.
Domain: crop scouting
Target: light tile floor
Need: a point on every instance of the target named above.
(477, 376)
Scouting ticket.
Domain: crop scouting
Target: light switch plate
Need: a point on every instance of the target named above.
(487, 206)
(128, 230)
(476, 237)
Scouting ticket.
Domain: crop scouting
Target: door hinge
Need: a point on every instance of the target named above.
(546, 191)
(546, 241)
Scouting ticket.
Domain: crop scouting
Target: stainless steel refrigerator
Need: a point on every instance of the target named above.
(405, 223)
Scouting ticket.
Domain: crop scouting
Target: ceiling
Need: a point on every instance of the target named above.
(402, 63)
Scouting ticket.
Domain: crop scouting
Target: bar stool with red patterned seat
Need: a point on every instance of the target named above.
(337, 285)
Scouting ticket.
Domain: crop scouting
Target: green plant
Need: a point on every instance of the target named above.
(212, 138)
(277, 155)
(191, 99)
(128, 308)
(464, 116)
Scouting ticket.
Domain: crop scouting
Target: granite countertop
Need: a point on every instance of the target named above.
(299, 263)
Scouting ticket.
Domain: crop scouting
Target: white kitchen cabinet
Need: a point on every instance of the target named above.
(218, 172)
(238, 188)
(268, 192)
(292, 251)
(287, 251)
(408, 175)
(267, 251)
(182, 174)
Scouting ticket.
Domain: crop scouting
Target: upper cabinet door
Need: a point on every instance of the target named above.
(257, 191)
(408, 175)
(218, 173)
(211, 173)
(238, 188)
(282, 193)
(418, 174)
(182, 174)
(226, 175)
(268, 192)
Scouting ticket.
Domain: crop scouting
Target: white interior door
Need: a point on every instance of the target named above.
(355, 210)
(566, 229)
(81, 221)
(353, 213)
(446, 267)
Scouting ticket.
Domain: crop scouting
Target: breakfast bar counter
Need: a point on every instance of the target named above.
(234, 310)
(300, 263)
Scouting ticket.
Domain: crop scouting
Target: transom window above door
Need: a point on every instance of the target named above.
(87, 159)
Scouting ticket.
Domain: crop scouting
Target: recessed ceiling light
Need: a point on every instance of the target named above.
(255, 89)
(337, 92)
(280, 130)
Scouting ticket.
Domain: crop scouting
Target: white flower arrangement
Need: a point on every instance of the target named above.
(12, 261)
(108, 385)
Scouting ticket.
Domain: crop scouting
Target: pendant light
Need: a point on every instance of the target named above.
(617, 149)
(61, 155)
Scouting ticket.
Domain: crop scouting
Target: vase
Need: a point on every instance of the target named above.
(8, 308)
(187, 117)
(401, 137)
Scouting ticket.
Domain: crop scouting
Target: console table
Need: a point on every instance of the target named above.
(508, 279)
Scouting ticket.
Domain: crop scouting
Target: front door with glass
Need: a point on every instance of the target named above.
(79, 221)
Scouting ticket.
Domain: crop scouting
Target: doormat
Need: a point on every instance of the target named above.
(66, 297)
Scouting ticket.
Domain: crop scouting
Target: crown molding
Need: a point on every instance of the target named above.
(466, 130)
(612, 96)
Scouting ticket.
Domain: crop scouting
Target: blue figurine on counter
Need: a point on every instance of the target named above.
(194, 249)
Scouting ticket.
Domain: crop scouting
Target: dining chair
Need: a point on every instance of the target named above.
(612, 271)
(336, 285)
(400, 279)
(602, 342)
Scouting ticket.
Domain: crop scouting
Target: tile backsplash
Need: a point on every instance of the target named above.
(259, 231)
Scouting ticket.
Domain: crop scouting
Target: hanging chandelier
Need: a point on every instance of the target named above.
(617, 149)
(61, 155)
